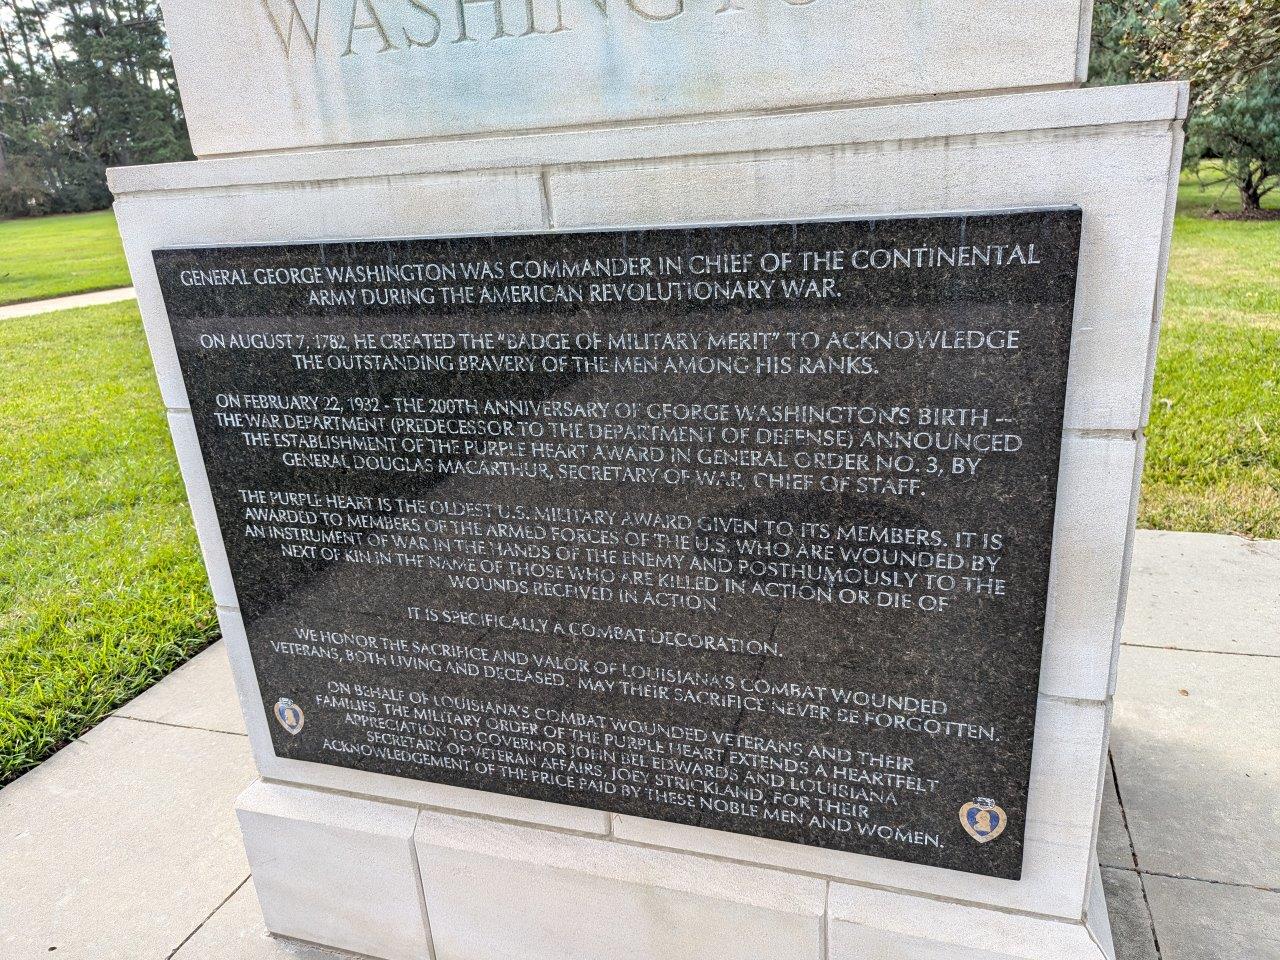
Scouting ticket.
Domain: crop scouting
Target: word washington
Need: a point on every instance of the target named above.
(309, 28)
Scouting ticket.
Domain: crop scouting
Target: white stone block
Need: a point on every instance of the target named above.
(246, 681)
(496, 891)
(866, 923)
(1095, 914)
(335, 870)
(286, 74)
(1065, 789)
(1087, 575)
(1130, 542)
(200, 496)
(1175, 171)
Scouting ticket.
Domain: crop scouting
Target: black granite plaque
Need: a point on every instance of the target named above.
(742, 527)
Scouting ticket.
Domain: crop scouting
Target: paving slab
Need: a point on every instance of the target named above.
(1200, 591)
(121, 844)
(1130, 921)
(1213, 921)
(1196, 745)
(14, 310)
(236, 932)
(199, 694)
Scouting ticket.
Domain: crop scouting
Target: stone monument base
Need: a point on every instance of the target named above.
(400, 882)
(434, 871)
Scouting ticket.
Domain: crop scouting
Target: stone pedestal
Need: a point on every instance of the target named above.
(386, 881)
(403, 869)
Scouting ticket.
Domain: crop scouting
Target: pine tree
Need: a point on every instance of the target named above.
(1241, 136)
(84, 85)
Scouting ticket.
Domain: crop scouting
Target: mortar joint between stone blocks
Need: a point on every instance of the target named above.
(824, 935)
(842, 145)
(544, 186)
(422, 888)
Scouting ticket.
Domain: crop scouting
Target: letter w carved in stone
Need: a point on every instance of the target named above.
(295, 17)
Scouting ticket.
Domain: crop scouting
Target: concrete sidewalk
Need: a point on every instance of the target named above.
(124, 846)
(15, 310)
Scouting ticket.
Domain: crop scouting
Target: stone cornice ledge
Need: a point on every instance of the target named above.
(809, 128)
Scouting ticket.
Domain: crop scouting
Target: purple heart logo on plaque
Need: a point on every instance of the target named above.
(290, 715)
(983, 820)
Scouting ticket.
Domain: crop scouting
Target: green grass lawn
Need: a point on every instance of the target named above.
(57, 256)
(1213, 444)
(102, 590)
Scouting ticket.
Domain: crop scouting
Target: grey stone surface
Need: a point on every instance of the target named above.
(198, 694)
(1196, 743)
(1204, 592)
(1214, 921)
(1115, 849)
(122, 844)
(236, 932)
(1130, 922)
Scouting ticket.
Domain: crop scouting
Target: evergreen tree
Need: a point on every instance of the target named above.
(1111, 61)
(84, 85)
(1241, 135)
